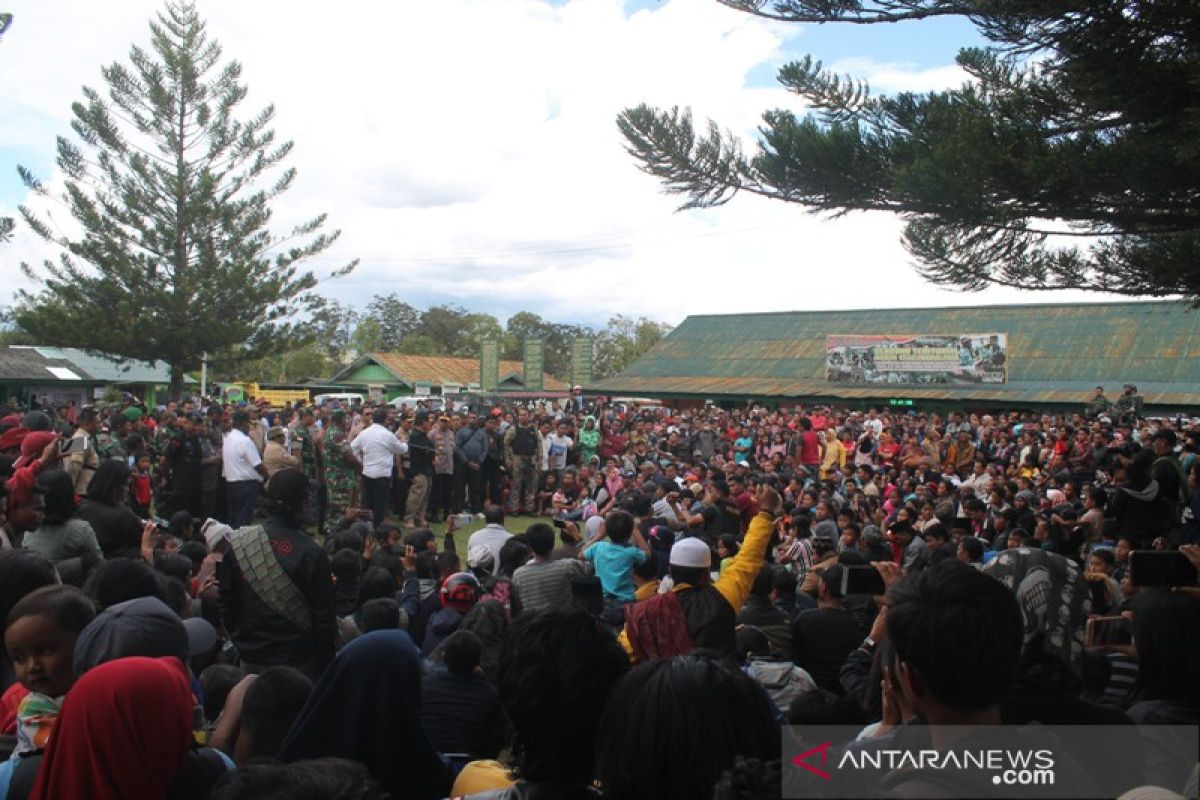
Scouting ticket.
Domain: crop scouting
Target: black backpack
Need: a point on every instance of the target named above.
(525, 441)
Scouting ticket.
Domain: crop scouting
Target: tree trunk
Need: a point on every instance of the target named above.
(176, 390)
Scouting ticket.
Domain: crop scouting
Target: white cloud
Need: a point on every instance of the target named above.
(889, 77)
(469, 152)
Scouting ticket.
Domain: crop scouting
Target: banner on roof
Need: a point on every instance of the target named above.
(966, 358)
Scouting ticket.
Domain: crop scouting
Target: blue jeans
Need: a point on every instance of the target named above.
(241, 497)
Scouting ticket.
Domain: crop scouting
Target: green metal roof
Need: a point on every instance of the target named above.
(1056, 353)
(73, 364)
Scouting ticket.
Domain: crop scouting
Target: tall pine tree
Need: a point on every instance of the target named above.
(1068, 161)
(172, 194)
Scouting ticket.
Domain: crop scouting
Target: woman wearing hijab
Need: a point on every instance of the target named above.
(367, 707)
(589, 439)
(125, 731)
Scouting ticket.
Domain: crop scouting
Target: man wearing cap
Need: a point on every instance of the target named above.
(1128, 407)
(110, 441)
(698, 612)
(275, 455)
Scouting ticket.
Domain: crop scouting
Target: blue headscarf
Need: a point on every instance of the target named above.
(367, 707)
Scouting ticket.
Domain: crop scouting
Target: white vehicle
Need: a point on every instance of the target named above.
(344, 398)
(431, 402)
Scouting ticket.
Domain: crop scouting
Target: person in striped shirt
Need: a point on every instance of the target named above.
(543, 584)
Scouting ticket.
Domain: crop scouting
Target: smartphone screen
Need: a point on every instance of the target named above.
(72, 445)
(862, 579)
(1160, 568)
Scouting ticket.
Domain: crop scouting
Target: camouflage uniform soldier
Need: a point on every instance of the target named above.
(1129, 406)
(110, 441)
(340, 471)
(1099, 404)
(304, 445)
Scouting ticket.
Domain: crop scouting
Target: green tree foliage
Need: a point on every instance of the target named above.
(368, 336)
(397, 319)
(417, 344)
(1069, 161)
(173, 195)
(455, 331)
(333, 326)
(558, 338)
(623, 341)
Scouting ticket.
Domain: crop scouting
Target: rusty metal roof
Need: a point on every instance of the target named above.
(1056, 353)
(441, 370)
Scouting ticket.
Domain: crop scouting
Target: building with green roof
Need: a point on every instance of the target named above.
(1052, 355)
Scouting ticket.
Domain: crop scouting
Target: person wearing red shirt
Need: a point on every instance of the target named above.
(810, 446)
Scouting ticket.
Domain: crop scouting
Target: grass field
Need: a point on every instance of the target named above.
(511, 524)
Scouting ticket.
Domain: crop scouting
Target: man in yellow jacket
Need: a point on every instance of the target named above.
(699, 612)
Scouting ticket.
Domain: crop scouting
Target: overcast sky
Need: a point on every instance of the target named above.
(468, 148)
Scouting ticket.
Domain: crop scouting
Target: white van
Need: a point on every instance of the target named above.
(342, 398)
(412, 402)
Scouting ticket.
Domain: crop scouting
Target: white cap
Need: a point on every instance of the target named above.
(480, 557)
(691, 552)
(215, 532)
(592, 526)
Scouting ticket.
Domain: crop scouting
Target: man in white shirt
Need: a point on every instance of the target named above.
(244, 471)
(557, 446)
(492, 535)
(379, 451)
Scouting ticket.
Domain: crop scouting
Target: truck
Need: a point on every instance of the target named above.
(277, 398)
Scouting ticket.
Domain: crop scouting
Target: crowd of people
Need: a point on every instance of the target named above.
(225, 600)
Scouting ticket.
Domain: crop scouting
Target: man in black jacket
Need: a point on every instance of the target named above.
(276, 594)
(760, 612)
(822, 637)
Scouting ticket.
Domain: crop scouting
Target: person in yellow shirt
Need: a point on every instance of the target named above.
(835, 454)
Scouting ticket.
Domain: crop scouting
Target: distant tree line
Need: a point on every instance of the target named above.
(337, 332)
